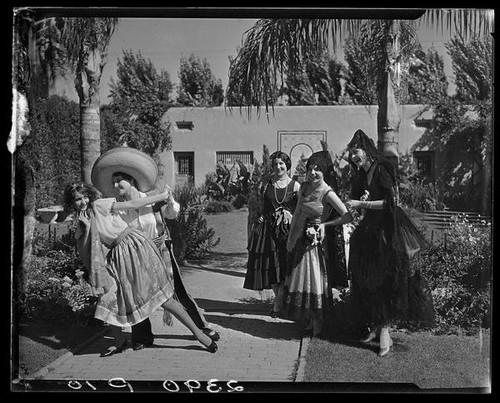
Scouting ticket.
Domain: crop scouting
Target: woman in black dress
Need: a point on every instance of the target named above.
(384, 288)
(267, 253)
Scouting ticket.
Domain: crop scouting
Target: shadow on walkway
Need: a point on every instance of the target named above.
(247, 306)
(258, 327)
(210, 267)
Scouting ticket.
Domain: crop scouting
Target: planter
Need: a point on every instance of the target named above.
(49, 215)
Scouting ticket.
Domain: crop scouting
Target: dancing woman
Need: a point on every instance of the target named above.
(131, 280)
(151, 221)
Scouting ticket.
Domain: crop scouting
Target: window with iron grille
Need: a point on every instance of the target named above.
(184, 125)
(184, 165)
(229, 157)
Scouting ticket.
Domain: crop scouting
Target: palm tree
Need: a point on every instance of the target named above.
(79, 46)
(44, 48)
(273, 47)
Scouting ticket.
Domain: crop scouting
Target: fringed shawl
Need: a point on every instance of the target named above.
(93, 252)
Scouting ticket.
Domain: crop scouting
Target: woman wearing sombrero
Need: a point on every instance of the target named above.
(114, 173)
(126, 270)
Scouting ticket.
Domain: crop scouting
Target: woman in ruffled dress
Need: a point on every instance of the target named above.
(384, 288)
(307, 290)
(267, 253)
(126, 270)
(151, 221)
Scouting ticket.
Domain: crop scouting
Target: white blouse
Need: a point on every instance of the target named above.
(109, 224)
(144, 218)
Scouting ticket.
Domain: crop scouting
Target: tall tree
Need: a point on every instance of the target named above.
(463, 124)
(473, 67)
(140, 98)
(198, 85)
(315, 82)
(426, 79)
(274, 46)
(79, 46)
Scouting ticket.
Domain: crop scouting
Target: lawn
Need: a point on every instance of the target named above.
(42, 343)
(418, 358)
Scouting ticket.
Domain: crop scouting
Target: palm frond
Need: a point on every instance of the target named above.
(465, 22)
(273, 48)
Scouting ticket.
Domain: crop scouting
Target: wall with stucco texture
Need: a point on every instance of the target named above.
(221, 129)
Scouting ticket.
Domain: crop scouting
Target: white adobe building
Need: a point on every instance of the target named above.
(203, 136)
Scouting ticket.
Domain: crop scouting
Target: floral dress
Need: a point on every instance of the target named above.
(307, 290)
(267, 254)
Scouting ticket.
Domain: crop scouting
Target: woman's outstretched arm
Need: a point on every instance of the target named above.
(141, 201)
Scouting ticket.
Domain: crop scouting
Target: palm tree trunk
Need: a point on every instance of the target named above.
(87, 81)
(90, 138)
(388, 121)
(388, 118)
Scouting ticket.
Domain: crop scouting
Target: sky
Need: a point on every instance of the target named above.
(165, 40)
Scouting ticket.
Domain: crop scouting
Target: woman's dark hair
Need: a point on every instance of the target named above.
(283, 157)
(123, 176)
(85, 189)
(322, 160)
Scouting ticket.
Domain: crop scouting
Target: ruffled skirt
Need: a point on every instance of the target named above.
(142, 280)
(267, 259)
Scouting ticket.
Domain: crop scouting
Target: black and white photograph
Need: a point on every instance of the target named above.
(217, 200)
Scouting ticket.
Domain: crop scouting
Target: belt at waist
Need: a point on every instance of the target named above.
(122, 235)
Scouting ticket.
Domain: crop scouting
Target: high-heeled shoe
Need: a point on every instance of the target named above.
(114, 350)
(212, 348)
(384, 351)
(371, 336)
(211, 333)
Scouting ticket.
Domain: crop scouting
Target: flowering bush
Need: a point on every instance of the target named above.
(55, 287)
(56, 290)
(459, 275)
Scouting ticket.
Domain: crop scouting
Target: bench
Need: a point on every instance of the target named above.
(442, 219)
(439, 221)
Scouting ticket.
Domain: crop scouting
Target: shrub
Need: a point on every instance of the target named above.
(459, 271)
(420, 196)
(218, 206)
(239, 201)
(190, 236)
(55, 288)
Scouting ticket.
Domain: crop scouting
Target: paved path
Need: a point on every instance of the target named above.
(253, 346)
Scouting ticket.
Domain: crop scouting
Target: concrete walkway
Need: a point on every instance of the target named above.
(253, 346)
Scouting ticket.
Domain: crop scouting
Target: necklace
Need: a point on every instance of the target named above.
(281, 180)
(276, 195)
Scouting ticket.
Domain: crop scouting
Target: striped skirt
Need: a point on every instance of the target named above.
(142, 280)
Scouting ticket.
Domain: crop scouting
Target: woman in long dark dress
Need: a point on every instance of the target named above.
(384, 288)
(267, 253)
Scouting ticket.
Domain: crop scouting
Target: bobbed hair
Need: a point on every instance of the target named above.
(283, 157)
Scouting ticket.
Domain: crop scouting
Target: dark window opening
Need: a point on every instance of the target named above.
(424, 161)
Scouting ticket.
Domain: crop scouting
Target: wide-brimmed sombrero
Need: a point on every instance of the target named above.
(127, 160)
